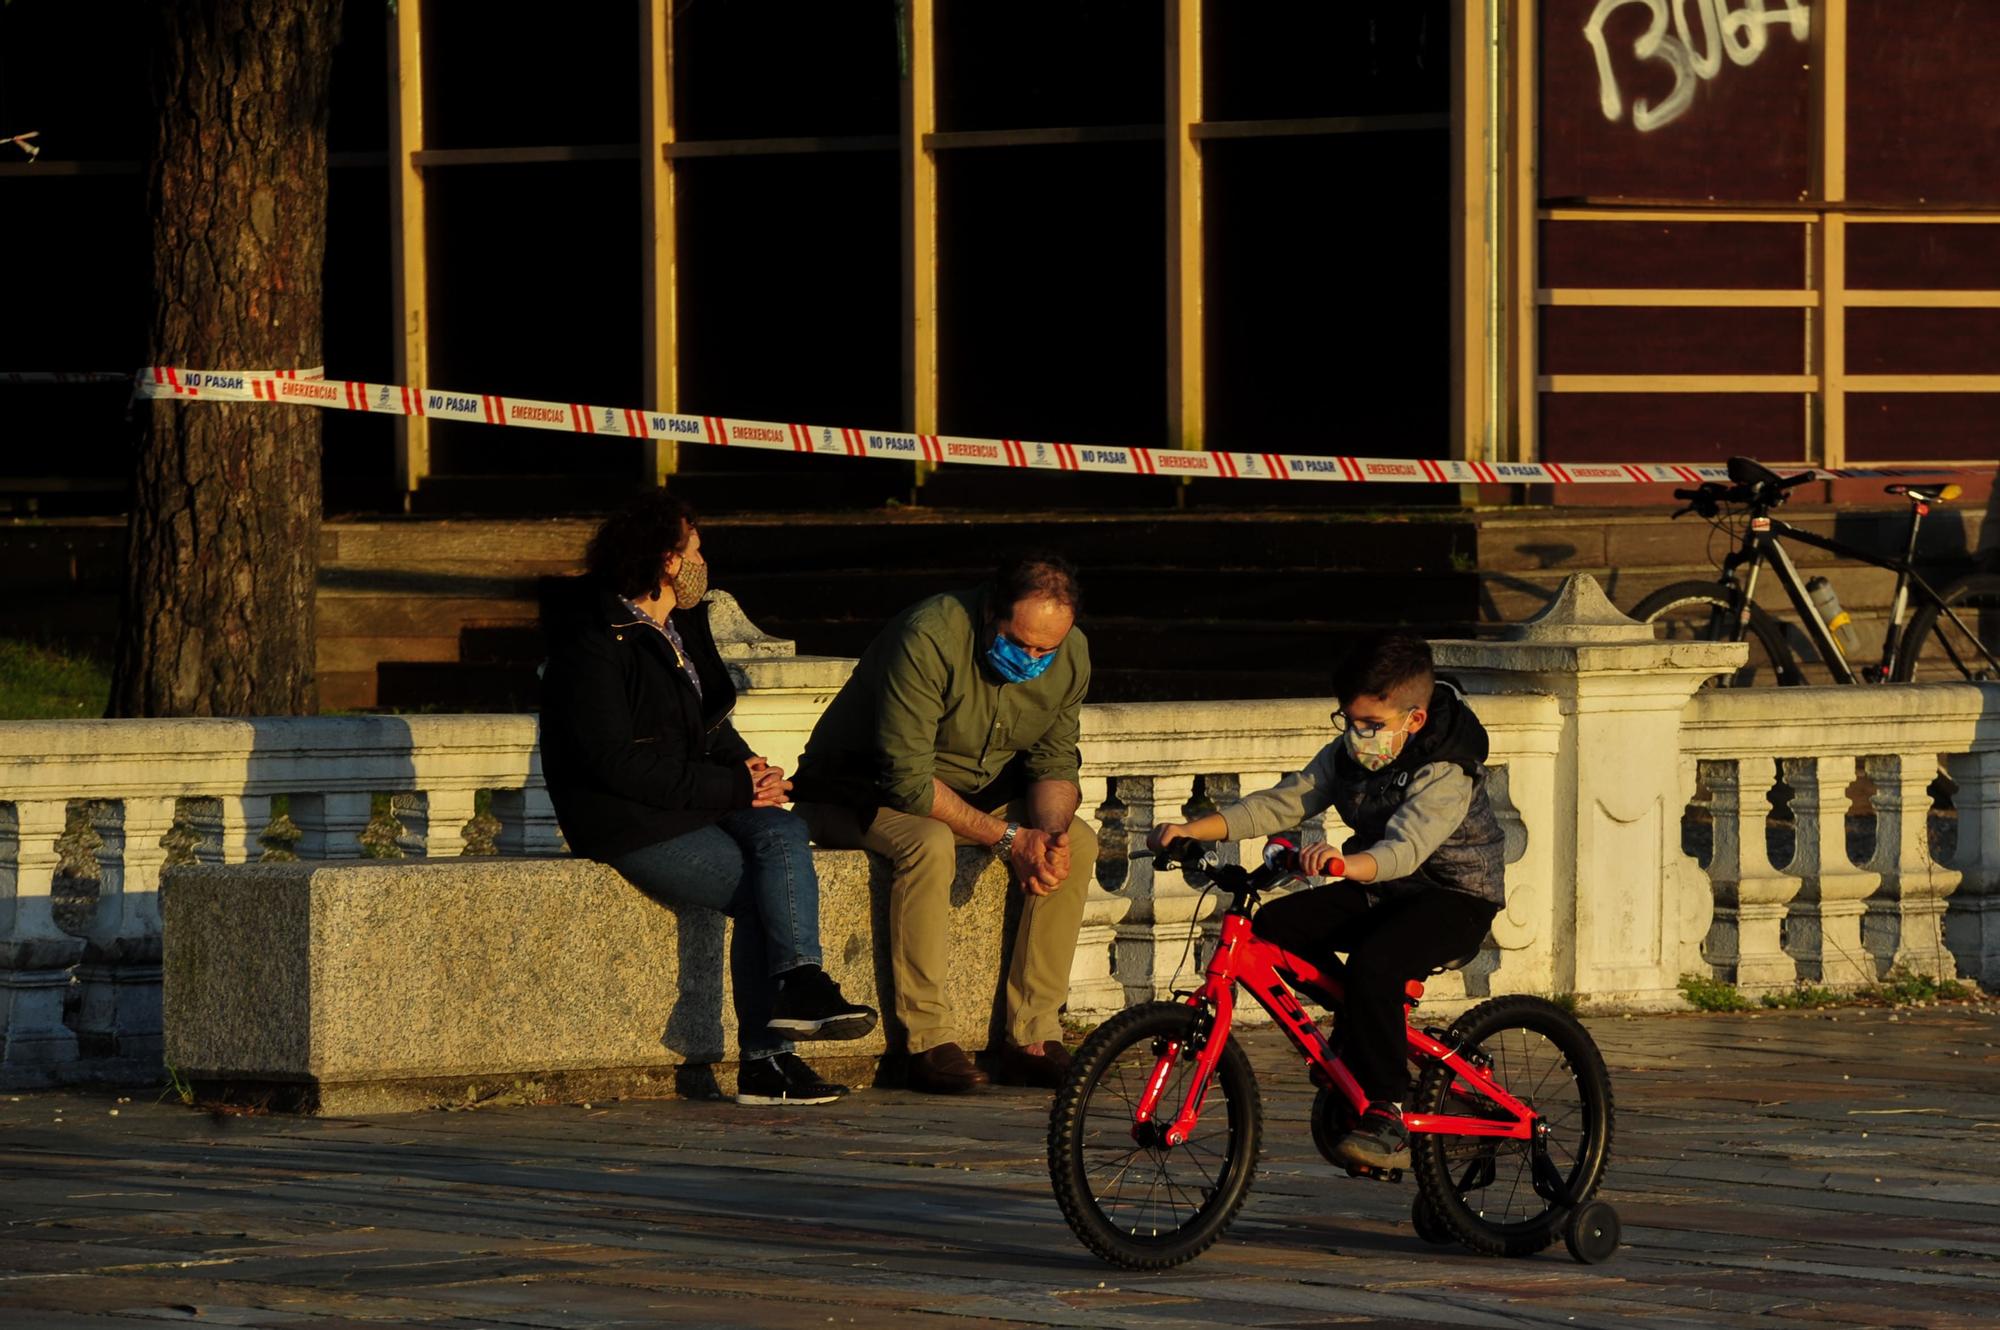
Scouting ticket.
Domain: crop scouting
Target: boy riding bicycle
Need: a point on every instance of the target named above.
(1423, 867)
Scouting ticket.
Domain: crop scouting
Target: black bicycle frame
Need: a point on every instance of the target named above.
(1761, 545)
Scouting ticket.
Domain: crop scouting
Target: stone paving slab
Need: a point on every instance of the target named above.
(1795, 1169)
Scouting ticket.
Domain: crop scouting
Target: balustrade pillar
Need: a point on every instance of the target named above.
(330, 824)
(230, 829)
(1972, 921)
(35, 955)
(438, 821)
(1746, 938)
(1823, 931)
(1094, 987)
(527, 823)
(1904, 923)
(1153, 935)
(118, 978)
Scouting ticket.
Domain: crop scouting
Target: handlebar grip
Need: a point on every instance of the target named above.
(1687, 495)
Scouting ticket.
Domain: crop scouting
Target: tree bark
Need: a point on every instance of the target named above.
(217, 617)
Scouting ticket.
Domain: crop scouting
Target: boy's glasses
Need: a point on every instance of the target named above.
(1367, 729)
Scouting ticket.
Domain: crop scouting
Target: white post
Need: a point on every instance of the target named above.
(1745, 942)
(1904, 924)
(1153, 936)
(233, 832)
(1972, 923)
(438, 821)
(118, 1014)
(1619, 874)
(1824, 930)
(1094, 989)
(330, 824)
(35, 955)
(527, 823)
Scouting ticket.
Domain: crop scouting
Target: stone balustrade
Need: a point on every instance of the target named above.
(1606, 754)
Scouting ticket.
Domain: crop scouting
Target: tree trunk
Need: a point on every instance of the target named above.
(217, 618)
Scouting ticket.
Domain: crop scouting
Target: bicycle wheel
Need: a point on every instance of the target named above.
(1492, 1193)
(1699, 612)
(1132, 1200)
(1938, 648)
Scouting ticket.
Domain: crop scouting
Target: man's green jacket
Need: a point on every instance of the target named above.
(923, 703)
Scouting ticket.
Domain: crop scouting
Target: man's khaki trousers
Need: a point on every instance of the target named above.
(924, 855)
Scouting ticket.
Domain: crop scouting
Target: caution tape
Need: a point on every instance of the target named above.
(309, 388)
(122, 376)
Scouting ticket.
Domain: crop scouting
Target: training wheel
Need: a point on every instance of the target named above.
(1592, 1233)
(1429, 1223)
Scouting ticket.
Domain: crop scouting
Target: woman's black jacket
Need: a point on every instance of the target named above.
(631, 753)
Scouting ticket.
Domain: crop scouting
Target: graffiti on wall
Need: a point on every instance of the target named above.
(1739, 30)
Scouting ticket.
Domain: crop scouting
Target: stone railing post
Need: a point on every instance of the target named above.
(1972, 923)
(1746, 940)
(439, 819)
(1094, 988)
(118, 978)
(35, 955)
(330, 824)
(1619, 873)
(1823, 932)
(1904, 924)
(230, 829)
(527, 823)
(1153, 934)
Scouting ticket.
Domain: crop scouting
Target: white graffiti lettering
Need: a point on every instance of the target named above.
(1741, 34)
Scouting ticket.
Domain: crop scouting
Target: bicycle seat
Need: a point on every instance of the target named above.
(1926, 493)
(1463, 961)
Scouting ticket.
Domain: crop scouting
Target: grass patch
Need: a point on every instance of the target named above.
(1903, 987)
(1705, 994)
(1567, 1001)
(1805, 997)
(40, 683)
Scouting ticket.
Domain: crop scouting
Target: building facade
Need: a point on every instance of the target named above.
(1489, 229)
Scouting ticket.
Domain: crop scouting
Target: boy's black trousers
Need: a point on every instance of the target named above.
(1409, 929)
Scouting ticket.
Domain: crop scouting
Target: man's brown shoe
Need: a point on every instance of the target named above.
(1017, 1066)
(944, 1070)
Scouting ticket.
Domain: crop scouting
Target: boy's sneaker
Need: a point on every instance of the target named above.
(807, 1004)
(783, 1079)
(1379, 1140)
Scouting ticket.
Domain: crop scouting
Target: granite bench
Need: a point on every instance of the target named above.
(375, 986)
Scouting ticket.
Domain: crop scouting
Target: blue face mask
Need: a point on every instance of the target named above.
(1012, 662)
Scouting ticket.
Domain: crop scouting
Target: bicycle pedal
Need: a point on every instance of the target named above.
(1378, 1174)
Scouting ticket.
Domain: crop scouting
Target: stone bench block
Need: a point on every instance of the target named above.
(347, 987)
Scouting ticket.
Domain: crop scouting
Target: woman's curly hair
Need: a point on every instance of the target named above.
(629, 552)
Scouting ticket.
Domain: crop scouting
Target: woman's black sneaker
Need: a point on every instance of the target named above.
(783, 1079)
(807, 1004)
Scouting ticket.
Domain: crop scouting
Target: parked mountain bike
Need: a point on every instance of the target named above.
(1953, 631)
(1154, 1136)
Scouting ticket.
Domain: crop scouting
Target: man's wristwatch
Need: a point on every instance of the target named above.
(1006, 840)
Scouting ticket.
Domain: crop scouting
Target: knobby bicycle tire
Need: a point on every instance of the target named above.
(1483, 1188)
(1934, 647)
(1768, 632)
(1092, 1152)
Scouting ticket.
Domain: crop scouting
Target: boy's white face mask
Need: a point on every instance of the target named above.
(1379, 749)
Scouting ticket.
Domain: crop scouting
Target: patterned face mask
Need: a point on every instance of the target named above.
(1378, 750)
(691, 582)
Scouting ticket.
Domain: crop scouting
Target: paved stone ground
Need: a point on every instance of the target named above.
(1779, 1169)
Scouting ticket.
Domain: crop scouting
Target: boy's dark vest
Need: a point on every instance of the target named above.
(1472, 859)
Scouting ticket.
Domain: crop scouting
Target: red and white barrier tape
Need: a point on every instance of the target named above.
(121, 376)
(307, 388)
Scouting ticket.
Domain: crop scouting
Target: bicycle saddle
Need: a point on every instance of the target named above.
(1926, 493)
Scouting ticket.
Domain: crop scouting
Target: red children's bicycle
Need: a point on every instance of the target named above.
(1154, 1137)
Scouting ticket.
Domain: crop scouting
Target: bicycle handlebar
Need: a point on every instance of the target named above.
(1712, 494)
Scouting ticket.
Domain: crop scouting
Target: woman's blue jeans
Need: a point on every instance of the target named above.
(754, 865)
